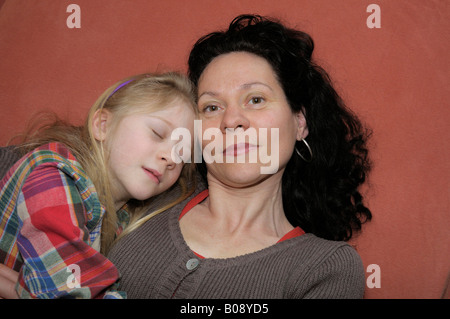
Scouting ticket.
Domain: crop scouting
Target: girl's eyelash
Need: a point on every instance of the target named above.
(157, 134)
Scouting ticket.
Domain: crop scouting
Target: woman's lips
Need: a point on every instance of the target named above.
(153, 174)
(239, 149)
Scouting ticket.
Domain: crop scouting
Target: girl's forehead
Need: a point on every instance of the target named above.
(172, 112)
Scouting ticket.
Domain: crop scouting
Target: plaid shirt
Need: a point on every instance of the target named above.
(50, 226)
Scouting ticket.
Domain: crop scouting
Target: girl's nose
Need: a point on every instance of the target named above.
(165, 155)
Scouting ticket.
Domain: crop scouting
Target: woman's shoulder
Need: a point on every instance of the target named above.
(326, 269)
(312, 253)
(319, 249)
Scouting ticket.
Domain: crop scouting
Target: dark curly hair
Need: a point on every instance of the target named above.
(321, 196)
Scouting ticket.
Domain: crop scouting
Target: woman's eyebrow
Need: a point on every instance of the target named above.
(208, 93)
(249, 85)
(242, 87)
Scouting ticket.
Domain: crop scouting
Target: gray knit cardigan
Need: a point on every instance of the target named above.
(8, 156)
(155, 262)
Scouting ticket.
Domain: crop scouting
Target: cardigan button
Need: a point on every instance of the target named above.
(192, 264)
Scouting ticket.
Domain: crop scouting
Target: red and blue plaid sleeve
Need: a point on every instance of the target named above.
(50, 225)
(54, 241)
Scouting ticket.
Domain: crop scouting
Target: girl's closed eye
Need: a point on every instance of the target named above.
(158, 135)
(158, 128)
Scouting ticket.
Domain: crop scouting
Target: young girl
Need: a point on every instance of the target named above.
(64, 203)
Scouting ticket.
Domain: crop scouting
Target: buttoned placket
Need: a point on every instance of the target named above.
(191, 265)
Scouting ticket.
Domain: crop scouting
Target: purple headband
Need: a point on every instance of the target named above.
(120, 86)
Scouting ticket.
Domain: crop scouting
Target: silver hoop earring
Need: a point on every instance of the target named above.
(310, 152)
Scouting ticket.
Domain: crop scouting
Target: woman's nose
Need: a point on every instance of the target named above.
(234, 117)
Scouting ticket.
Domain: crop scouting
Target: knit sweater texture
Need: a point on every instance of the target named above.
(156, 262)
(8, 156)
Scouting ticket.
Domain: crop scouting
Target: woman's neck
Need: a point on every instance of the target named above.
(259, 206)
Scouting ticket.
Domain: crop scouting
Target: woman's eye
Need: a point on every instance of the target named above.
(256, 100)
(211, 108)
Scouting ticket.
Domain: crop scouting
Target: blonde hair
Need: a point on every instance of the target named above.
(143, 94)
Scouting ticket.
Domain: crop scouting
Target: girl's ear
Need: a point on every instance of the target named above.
(100, 124)
(302, 129)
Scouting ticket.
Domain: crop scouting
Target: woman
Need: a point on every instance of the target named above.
(64, 203)
(251, 235)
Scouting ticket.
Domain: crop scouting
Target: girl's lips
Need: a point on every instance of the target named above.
(153, 174)
(239, 149)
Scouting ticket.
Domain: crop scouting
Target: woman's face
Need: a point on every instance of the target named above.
(241, 98)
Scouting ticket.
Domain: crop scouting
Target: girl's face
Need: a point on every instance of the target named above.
(239, 91)
(140, 152)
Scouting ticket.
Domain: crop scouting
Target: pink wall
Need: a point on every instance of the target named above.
(396, 77)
